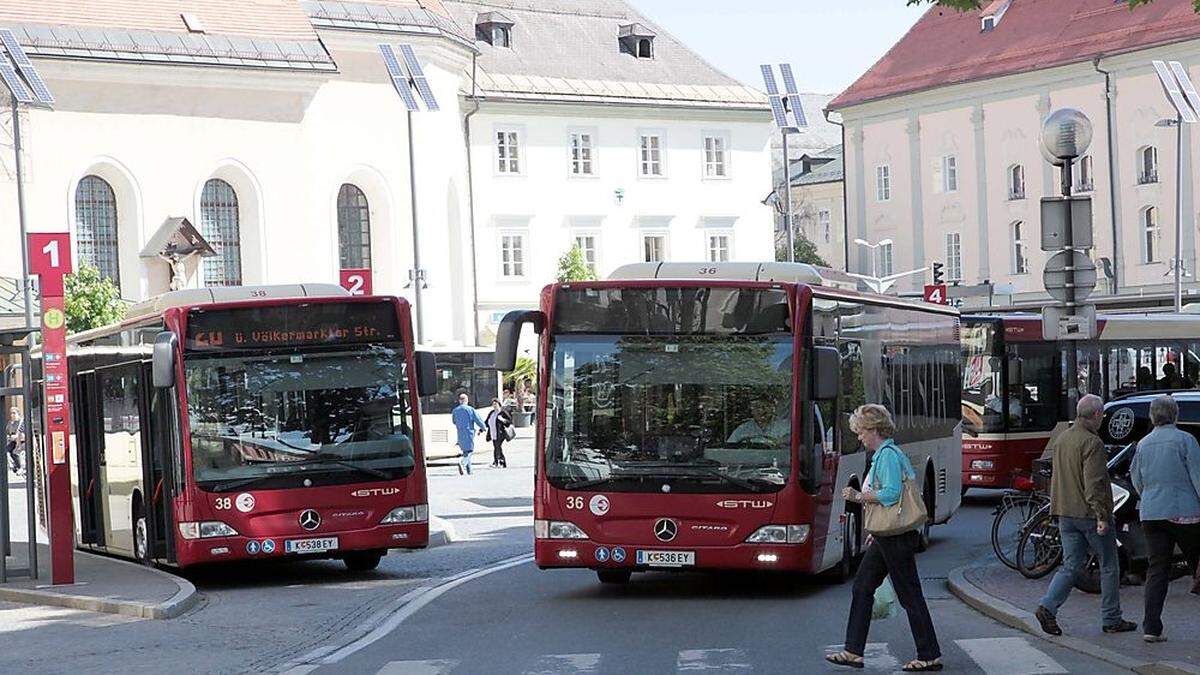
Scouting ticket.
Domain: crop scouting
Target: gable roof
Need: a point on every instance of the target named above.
(569, 50)
(262, 33)
(831, 170)
(395, 16)
(947, 47)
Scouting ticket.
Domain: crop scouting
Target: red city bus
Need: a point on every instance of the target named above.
(695, 416)
(248, 423)
(1014, 396)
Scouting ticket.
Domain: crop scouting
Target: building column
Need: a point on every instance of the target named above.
(860, 199)
(981, 194)
(917, 182)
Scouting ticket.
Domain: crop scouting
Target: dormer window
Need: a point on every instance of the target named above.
(990, 17)
(637, 40)
(494, 28)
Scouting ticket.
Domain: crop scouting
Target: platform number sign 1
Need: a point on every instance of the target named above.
(937, 294)
(357, 281)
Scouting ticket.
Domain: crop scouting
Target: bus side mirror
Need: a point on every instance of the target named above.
(508, 335)
(427, 383)
(162, 365)
(827, 373)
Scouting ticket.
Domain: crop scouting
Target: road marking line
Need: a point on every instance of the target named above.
(724, 660)
(416, 600)
(427, 667)
(1009, 656)
(567, 664)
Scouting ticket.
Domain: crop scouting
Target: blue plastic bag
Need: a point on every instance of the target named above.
(884, 606)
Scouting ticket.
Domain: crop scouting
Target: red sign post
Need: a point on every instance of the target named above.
(50, 260)
(357, 281)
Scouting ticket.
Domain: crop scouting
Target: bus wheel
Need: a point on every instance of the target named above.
(927, 528)
(614, 576)
(141, 536)
(362, 561)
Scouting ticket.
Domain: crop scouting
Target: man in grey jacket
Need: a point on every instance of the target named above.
(1166, 473)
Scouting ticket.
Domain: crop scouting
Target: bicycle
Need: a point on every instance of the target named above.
(1040, 550)
(1014, 513)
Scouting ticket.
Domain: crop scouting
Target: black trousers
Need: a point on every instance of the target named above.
(894, 557)
(1161, 538)
(498, 452)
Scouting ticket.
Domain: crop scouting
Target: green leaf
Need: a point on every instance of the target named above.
(806, 252)
(91, 300)
(572, 266)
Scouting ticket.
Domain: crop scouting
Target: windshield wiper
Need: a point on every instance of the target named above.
(325, 458)
(241, 482)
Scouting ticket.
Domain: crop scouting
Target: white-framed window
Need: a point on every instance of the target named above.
(720, 246)
(954, 270)
(825, 225)
(501, 36)
(650, 155)
(1020, 249)
(587, 243)
(508, 152)
(1148, 165)
(949, 173)
(883, 183)
(513, 254)
(1016, 182)
(654, 247)
(583, 153)
(1150, 235)
(886, 260)
(1084, 181)
(716, 155)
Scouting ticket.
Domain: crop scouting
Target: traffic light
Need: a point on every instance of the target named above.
(939, 274)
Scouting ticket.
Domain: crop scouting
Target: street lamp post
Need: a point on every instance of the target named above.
(1177, 265)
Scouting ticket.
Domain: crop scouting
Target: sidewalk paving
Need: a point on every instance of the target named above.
(1010, 598)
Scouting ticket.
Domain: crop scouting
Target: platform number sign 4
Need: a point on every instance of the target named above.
(357, 281)
(937, 294)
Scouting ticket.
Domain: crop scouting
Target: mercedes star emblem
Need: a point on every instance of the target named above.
(665, 529)
(310, 519)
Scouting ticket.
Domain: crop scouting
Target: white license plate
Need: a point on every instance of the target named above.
(666, 558)
(310, 545)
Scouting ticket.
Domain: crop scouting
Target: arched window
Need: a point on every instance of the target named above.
(219, 224)
(1148, 165)
(1150, 234)
(645, 49)
(354, 228)
(96, 227)
(1020, 249)
(1016, 182)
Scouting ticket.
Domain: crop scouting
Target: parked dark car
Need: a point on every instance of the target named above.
(1127, 420)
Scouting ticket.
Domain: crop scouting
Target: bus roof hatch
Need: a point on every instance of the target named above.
(202, 296)
(772, 271)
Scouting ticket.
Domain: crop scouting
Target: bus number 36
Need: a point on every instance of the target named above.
(575, 503)
(224, 503)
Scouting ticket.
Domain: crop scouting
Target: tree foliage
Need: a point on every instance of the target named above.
(92, 300)
(965, 5)
(526, 369)
(572, 266)
(806, 251)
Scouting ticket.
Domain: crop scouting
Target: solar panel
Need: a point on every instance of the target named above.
(399, 81)
(418, 77)
(793, 95)
(21, 59)
(1167, 78)
(14, 83)
(779, 112)
(1185, 83)
(768, 74)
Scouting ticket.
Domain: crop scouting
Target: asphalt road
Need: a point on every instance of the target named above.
(523, 620)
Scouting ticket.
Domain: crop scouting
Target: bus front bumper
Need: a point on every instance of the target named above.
(310, 545)
(583, 553)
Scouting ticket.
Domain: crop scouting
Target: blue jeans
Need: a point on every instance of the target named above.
(465, 462)
(1078, 536)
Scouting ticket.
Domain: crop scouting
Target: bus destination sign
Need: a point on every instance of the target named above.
(291, 326)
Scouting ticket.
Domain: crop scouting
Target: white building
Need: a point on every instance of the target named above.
(942, 138)
(274, 128)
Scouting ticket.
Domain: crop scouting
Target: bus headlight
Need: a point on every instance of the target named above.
(557, 529)
(407, 514)
(205, 530)
(982, 465)
(779, 534)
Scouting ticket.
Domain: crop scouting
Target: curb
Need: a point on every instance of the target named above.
(183, 600)
(441, 532)
(1015, 617)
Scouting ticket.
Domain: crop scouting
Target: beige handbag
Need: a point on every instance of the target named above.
(904, 516)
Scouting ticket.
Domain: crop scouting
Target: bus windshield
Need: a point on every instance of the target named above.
(290, 417)
(982, 386)
(695, 413)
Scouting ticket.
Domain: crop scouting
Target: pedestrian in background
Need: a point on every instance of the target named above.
(465, 422)
(886, 556)
(1081, 498)
(498, 425)
(1166, 473)
(15, 439)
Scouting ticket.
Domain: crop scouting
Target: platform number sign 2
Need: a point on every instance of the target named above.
(357, 281)
(937, 294)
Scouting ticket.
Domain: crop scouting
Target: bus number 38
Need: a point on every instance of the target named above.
(224, 503)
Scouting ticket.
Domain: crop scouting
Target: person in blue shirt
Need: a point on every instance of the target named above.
(886, 556)
(466, 420)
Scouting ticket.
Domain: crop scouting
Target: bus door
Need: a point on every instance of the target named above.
(89, 439)
(160, 440)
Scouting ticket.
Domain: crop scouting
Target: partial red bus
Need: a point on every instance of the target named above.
(1014, 396)
(250, 423)
(695, 416)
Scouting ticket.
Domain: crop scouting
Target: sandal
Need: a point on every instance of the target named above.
(919, 666)
(845, 658)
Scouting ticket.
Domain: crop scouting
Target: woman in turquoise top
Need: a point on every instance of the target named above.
(893, 556)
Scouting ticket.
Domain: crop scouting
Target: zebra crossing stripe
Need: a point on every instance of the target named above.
(723, 660)
(566, 664)
(1009, 656)
(426, 667)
